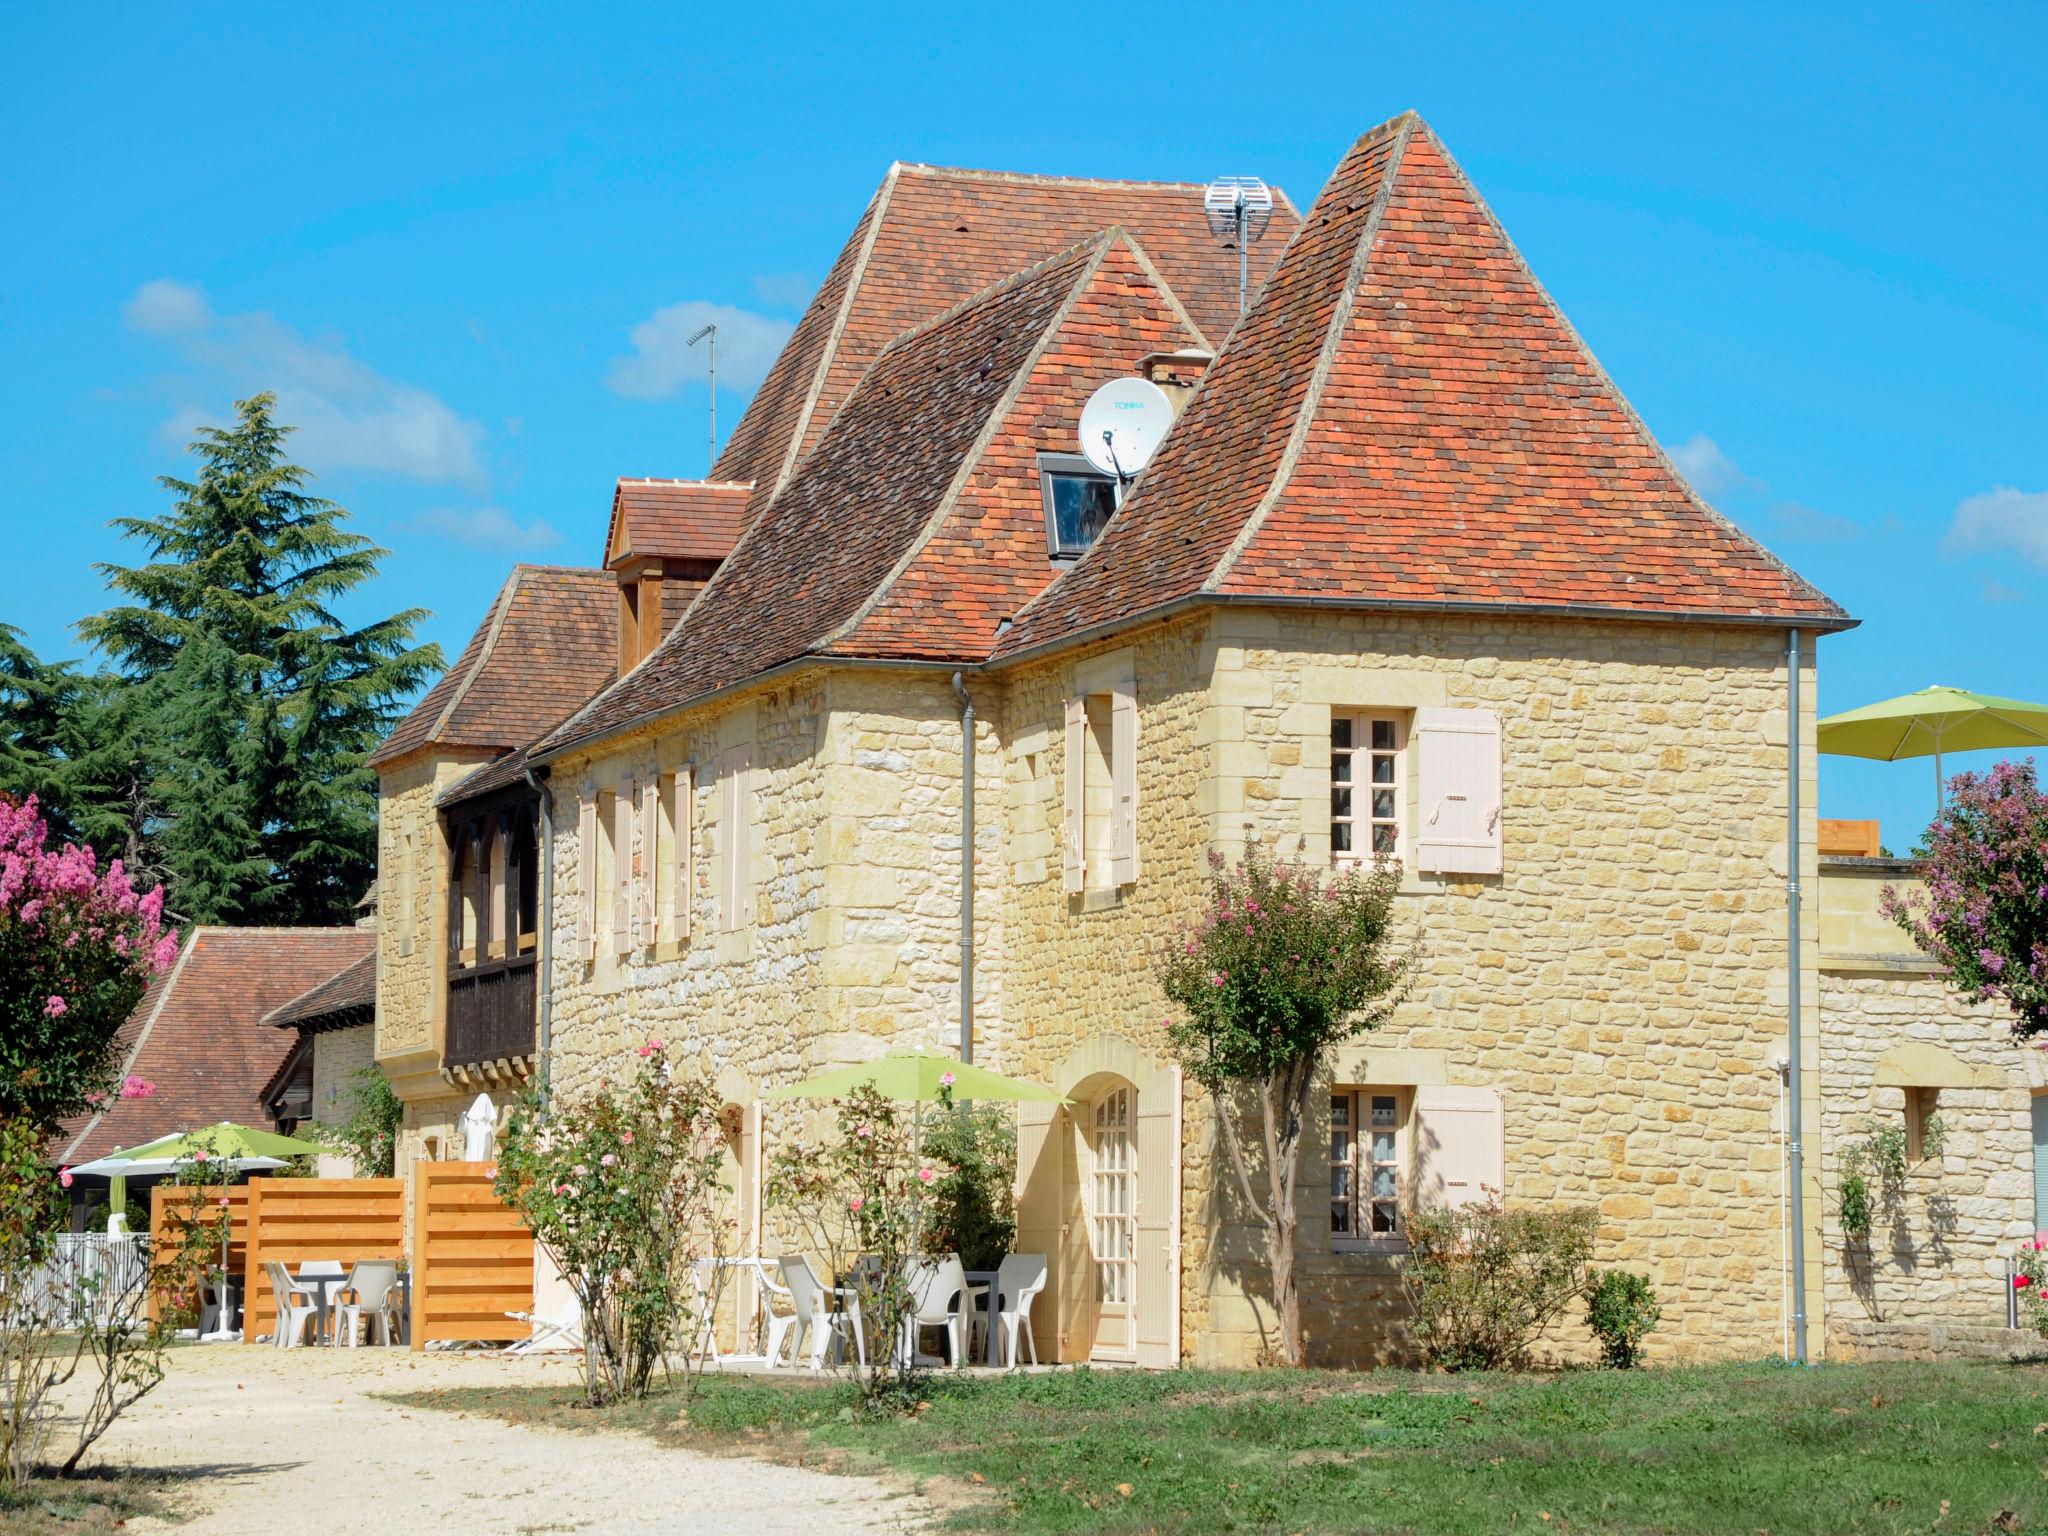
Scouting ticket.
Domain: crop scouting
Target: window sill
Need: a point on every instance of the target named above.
(1385, 1247)
(1103, 899)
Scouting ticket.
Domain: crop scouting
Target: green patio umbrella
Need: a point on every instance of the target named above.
(1931, 722)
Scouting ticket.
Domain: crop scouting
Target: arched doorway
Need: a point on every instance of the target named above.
(1112, 1196)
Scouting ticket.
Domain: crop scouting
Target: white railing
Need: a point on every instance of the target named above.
(88, 1275)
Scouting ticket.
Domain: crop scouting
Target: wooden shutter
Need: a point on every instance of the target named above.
(686, 850)
(586, 879)
(1157, 1277)
(1457, 781)
(1458, 1146)
(646, 876)
(1123, 778)
(733, 872)
(1074, 857)
(2040, 1162)
(1041, 1208)
(622, 866)
(499, 859)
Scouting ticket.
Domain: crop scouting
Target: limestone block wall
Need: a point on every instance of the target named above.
(1930, 1279)
(1621, 983)
(338, 1055)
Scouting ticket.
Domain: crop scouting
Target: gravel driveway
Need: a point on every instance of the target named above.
(294, 1440)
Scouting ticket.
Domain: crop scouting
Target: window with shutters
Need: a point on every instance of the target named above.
(1368, 1153)
(1366, 789)
(674, 867)
(1100, 836)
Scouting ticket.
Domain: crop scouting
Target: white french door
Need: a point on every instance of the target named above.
(1112, 1224)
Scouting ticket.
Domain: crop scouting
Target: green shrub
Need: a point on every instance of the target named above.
(1621, 1309)
(1485, 1281)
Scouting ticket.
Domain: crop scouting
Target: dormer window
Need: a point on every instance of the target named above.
(1079, 501)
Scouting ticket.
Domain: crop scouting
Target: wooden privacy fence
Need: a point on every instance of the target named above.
(473, 1257)
(170, 1206)
(292, 1221)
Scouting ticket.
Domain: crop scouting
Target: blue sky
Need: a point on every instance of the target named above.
(464, 243)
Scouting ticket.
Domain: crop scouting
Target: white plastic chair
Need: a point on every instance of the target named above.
(298, 1303)
(808, 1295)
(781, 1325)
(561, 1329)
(371, 1283)
(939, 1298)
(1019, 1279)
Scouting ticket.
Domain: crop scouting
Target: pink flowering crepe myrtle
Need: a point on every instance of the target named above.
(1984, 912)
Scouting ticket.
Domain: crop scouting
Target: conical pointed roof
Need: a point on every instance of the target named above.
(1405, 419)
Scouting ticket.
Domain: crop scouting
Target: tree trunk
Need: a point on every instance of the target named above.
(1283, 1100)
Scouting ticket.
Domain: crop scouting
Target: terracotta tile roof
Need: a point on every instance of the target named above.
(932, 236)
(347, 997)
(1405, 417)
(200, 1034)
(917, 524)
(676, 519)
(549, 642)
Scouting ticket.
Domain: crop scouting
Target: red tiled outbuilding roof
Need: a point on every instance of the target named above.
(549, 642)
(201, 1036)
(1405, 418)
(676, 519)
(917, 526)
(346, 998)
(933, 236)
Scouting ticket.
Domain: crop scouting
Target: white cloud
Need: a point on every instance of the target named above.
(1808, 525)
(663, 361)
(491, 528)
(1999, 592)
(348, 415)
(1712, 473)
(785, 290)
(164, 307)
(2001, 521)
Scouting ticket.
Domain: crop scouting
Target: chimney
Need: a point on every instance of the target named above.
(1177, 373)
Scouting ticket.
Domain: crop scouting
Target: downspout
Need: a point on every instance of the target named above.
(544, 993)
(966, 868)
(1793, 1052)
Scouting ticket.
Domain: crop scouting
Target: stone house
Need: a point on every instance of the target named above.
(936, 743)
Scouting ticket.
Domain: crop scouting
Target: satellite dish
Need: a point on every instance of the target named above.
(1122, 423)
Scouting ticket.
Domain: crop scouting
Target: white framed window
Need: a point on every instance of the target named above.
(1368, 1164)
(1368, 790)
(1079, 502)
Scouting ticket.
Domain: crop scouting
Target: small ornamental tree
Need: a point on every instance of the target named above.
(1285, 963)
(78, 945)
(623, 1187)
(1984, 913)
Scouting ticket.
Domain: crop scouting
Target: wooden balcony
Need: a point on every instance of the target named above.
(490, 1013)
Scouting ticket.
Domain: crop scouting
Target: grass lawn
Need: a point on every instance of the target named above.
(1740, 1448)
(90, 1502)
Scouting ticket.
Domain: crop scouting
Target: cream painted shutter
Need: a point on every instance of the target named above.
(586, 879)
(1073, 854)
(646, 877)
(1158, 1151)
(686, 850)
(1123, 778)
(1041, 1205)
(622, 870)
(732, 840)
(1459, 1147)
(1457, 778)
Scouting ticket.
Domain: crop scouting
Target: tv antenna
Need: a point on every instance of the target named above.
(1239, 209)
(711, 447)
(1121, 426)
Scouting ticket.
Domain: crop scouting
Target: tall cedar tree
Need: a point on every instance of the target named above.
(260, 705)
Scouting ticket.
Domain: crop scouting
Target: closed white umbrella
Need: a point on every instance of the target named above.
(479, 1125)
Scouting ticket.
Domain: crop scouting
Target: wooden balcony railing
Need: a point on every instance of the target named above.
(490, 1012)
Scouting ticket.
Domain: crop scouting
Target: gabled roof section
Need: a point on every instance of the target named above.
(916, 526)
(200, 1033)
(549, 642)
(675, 519)
(1405, 418)
(347, 998)
(933, 236)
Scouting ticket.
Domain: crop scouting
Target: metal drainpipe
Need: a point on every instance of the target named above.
(1792, 988)
(544, 1010)
(966, 868)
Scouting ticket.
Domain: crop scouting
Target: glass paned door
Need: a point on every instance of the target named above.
(1113, 1220)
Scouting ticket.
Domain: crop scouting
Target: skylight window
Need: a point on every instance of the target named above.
(1078, 503)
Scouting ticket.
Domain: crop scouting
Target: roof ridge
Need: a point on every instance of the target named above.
(878, 209)
(1333, 340)
(560, 570)
(1055, 178)
(722, 485)
(483, 657)
(991, 423)
(1627, 406)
